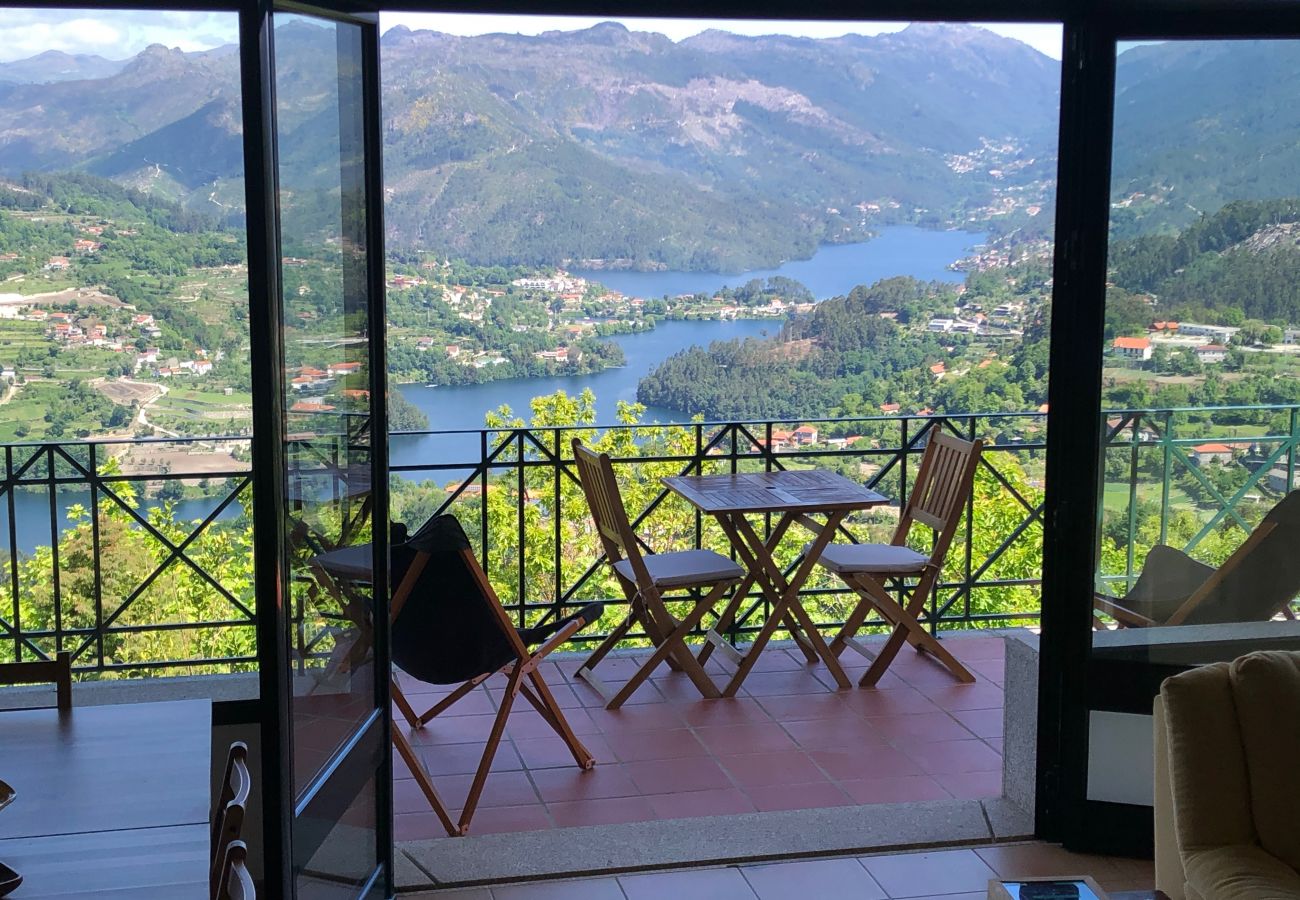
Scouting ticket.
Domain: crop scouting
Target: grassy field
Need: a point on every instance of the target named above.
(29, 407)
(184, 409)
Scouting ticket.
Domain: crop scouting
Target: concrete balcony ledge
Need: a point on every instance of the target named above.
(104, 692)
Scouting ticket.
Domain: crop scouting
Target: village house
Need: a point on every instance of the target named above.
(1211, 353)
(1276, 480)
(82, 245)
(1204, 454)
(888, 408)
(346, 368)
(1220, 333)
(938, 370)
(805, 435)
(940, 326)
(1132, 348)
(57, 264)
(780, 439)
(403, 282)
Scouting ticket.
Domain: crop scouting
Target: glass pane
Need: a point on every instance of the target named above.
(1200, 520)
(125, 411)
(345, 859)
(327, 403)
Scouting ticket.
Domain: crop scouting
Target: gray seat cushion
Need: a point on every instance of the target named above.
(879, 559)
(685, 568)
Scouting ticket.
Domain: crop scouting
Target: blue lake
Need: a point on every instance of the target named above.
(832, 271)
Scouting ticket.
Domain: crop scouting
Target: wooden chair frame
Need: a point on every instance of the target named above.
(938, 497)
(645, 600)
(235, 882)
(57, 671)
(1128, 618)
(522, 677)
(228, 814)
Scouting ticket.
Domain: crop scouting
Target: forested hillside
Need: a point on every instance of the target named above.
(1226, 102)
(1241, 263)
(853, 354)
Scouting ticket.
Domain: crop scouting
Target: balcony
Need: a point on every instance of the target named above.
(100, 563)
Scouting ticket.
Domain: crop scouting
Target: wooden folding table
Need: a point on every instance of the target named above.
(793, 496)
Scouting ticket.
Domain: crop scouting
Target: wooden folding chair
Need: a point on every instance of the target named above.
(1257, 582)
(57, 671)
(449, 627)
(235, 882)
(228, 813)
(644, 579)
(941, 489)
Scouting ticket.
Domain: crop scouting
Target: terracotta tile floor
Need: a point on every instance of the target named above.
(788, 741)
(930, 875)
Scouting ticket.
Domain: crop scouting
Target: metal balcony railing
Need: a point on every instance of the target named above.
(95, 562)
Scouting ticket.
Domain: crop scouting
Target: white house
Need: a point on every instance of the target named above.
(1132, 348)
(1212, 353)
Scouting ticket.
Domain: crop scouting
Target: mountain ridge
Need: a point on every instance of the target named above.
(606, 144)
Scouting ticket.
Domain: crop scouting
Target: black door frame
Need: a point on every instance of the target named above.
(366, 754)
(1077, 681)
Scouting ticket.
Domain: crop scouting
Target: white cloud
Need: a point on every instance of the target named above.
(115, 34)
(121, 33)
(1044, 38)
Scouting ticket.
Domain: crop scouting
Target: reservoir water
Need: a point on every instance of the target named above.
(833, 271)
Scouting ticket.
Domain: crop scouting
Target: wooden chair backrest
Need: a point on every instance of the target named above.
(228, 814)
(596, 474)
(57, 671)
(940, 492)
(235, 881)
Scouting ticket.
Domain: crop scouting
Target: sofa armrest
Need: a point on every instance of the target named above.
(1240, 872)
(1169, 863)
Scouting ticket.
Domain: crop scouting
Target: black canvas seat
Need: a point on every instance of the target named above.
(1257, 582)
(449, 627)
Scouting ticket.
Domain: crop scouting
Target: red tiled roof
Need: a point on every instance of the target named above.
(1131, 343)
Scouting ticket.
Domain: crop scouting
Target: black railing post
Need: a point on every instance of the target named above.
(11, 485)
(95, 543)
(52, 486)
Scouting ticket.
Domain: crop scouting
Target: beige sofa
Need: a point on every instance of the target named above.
(1227, 780)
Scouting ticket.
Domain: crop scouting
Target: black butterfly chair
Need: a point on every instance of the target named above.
(448, 627)
(1256, 583)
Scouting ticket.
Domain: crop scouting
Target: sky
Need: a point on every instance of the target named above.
(118, 34)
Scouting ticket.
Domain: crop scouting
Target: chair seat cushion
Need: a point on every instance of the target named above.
(684, 568)
(880, 559)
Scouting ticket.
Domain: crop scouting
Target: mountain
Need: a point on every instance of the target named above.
(1231, 103)
(603, 146)
(55, 65)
